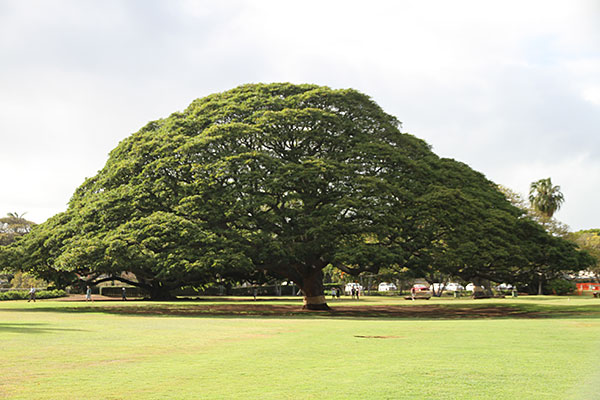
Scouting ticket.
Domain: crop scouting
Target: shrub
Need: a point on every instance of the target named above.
(560, 286)
(13, 295)
(24, 295)
(116, 291)
(24, 280)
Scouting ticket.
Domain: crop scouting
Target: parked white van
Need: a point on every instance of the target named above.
(453, 287)
(450, 287)
(386, 287)
(471, 287)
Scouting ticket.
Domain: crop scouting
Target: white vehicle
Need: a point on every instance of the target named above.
(453, 287)
(471, 286)
(504, 286)
(450, 287)
(437, 286)
(349, 286)
(386, 287)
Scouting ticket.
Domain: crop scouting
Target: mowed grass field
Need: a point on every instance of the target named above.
(535, 348)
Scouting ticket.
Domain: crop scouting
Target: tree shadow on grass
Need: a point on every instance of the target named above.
(29, 328)
(404, 312)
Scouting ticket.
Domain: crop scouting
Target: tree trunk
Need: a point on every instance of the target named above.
(488, 288)
(159, 292)
(312, 289)
(478, 290)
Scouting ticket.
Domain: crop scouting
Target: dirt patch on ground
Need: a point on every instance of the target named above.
(95, 297)
(337, 311)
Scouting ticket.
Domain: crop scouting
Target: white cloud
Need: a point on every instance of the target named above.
(591, 94)
(511, 88)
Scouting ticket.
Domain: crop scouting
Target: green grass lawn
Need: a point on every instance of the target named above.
(110, 350)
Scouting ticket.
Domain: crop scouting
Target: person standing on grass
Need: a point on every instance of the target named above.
(413, 291)
(123, 294)
(31, 294)
(337, 293)
(88, 294)
(357, 293)
(353, 292)
(333, 293)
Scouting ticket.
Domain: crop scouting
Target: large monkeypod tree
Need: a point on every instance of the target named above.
(274, 179)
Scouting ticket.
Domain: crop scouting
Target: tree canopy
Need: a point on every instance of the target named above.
(279, 180)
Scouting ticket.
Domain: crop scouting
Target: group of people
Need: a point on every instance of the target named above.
(336, 292)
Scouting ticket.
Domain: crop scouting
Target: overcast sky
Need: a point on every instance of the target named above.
(511, 88)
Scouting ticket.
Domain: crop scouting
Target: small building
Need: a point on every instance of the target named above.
(587, 287)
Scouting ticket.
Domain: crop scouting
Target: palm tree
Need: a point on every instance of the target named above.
(545, 198)
(12, 226)
(16, 215)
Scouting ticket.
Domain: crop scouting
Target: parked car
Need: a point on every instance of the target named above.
(386, 287)
(349, 286)
(504, 287)
(453, 287)
(448, 287)
(471, 286)
(419, 287)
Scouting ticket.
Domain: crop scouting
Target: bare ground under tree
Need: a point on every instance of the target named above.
(250, 308)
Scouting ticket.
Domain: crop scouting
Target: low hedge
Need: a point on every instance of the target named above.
(24, 294)
(117, 291)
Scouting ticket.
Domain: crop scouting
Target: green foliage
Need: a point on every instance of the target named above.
(23, 280)
(589, 241)
(117, 291)
(24, 295)
(560, 287)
